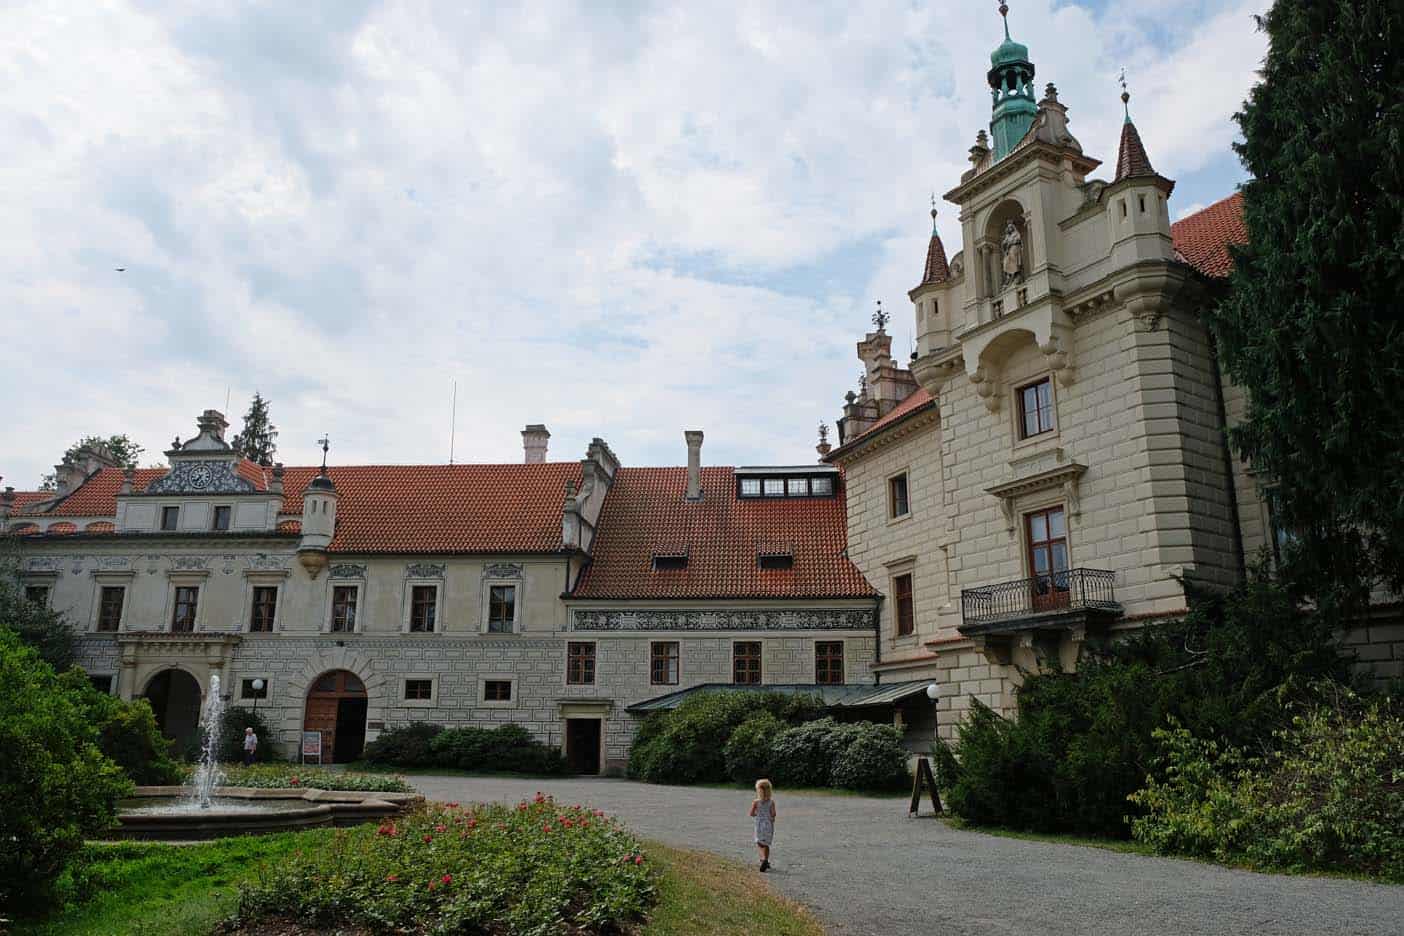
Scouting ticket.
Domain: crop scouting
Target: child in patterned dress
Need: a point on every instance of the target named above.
(763, 809)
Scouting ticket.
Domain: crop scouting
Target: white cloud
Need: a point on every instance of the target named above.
(618, 223)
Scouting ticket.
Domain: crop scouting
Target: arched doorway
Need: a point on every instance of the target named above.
(336, 706)
(175, 699)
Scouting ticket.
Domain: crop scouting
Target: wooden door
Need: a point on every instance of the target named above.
(1047, 534)
(324, 705)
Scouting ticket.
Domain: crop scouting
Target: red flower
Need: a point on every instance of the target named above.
(447, 879)
(546, 827)
(294, 781)
(638, 859)
(392, 878)
(440, 828)
(540, 797)
(452, 805)
(428, 838)
(472, 823)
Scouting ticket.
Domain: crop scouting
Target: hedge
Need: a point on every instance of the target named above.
(506, 748)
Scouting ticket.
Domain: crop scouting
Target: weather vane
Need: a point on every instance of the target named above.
(823, 433)
(1125, 95)
(325, 443)
(880, 318)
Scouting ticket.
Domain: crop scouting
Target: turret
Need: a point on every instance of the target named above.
(933, 316)
(318, 519)
(1137, 201)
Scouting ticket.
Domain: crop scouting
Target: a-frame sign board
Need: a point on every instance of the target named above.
(924, 782)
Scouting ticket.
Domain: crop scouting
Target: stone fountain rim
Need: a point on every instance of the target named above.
(285, 793)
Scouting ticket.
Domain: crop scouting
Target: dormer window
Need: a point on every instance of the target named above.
(785, 482)
(670, 561)
(776, 561)
(750, 487)
(774, 487)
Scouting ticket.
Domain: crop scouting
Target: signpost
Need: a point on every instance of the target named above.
(312, 746)
(924, 782)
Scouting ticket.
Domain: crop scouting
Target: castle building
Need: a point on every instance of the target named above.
(1053, 464)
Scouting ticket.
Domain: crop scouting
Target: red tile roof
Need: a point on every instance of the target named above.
(96, 497)
(646, 511)
(254, 473)
(100, 526)
(290, 526)
(24, 499)
(1202, 240)
(62, 527)
(919, 399)
(1131, 158)
(937, 270)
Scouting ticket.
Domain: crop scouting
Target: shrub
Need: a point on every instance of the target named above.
(42, 628)
(748, 750)
(687, 744)
(874, 759)
(804, 755)
(277, 776)
(56, 787)
(231, 735)
(126, 732)
(508, 748)
(405, 746)
(536, 868)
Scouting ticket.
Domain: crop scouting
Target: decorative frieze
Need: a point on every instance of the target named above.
(189, 564)
(348, 570)
(502, 570)
(113, 564)
(44, 564)
(425, 570)
(726, 620)
(268, 563)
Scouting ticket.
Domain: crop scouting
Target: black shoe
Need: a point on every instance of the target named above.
(765, 866)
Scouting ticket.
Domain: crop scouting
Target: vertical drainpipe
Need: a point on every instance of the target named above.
(877, 636)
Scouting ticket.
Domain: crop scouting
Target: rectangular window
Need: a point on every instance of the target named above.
(102, 684)
(750, 487)
(580, 664)
(775, 562)
(669, 563)
(265, 606)
(169, 517)
(902, 601)
(424, 601)
(497, 690)
(419, 690)
(37, 594)
(187, 598)
(828, 662)
(502, 608)
(821, 487)
(344, 599)
(746, 663)
(897, 504)
(774, 487)
(1036, 409)
(221, 518)
(663, 663)
(110, 607)
(247, 689)
(797, 487)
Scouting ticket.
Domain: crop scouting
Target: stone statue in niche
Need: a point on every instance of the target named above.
(1013, 247)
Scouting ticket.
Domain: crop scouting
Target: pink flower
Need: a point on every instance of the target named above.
(440, 828)
(447, 879)
(472, 823)
(452, 805)
(294, 781)
(638, 859)
(546, 827)
(428, 838)
(392, 878)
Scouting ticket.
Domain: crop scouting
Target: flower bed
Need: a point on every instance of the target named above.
(292, 776)
(537, 868)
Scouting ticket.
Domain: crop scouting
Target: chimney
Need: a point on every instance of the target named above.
(534, 441)
(212, 423)
(276, 485)
(694, 464)
(128, 476)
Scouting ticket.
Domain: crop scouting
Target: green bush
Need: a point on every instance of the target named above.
(687, 744)
(748, 751)
(873, 760)
(42, 628)
(803, 756)
(230, 748)
(536, 868)
(56, 786)
(506, 748)
(1330, 798)
(279, 776)
(405, 746)
(127, 732)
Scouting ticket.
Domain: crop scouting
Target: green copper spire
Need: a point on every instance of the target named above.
(1011, 84)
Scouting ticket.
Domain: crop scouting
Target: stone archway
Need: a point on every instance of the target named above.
(336, 706)
(175, 697)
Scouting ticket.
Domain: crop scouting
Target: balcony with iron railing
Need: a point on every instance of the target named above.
(1038, 598)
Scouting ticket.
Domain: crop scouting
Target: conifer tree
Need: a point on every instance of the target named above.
(258, 440)
(1312, 325)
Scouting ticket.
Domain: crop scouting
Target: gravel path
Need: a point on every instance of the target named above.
(865, 868)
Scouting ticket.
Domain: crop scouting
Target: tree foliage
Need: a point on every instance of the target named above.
(120, 447)
(1311, 326)
(258, 440)
(37, 625)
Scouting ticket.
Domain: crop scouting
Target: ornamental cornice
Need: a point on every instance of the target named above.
(426, 570)
(1015, 161)
(749, 619)
(1044, 471)
(891, 434)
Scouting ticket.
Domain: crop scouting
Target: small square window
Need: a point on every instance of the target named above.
(821, 487)
(897, 502)
(774, 487)
(502, 608)
(419, 690)
(424, 601)
(247, 689)
(221, 518)
(746, 663)
(580, 664)
(797, 487)
(170, 517)
(750, 487)
(497, 690)
(663, 663)
(110, 607)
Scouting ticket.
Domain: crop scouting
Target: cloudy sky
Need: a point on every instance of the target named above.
(621, 224)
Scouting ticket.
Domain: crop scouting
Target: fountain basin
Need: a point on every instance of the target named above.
(166, 813)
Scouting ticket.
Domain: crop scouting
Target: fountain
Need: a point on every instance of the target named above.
(206, 809)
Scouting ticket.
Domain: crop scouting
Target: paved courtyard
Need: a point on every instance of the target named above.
(865, 868)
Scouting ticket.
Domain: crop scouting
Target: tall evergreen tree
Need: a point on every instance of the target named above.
(1312, 325)
(258, 440)
(120, 447)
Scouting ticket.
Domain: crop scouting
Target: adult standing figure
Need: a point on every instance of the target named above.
(250, 746)
(1013, 247)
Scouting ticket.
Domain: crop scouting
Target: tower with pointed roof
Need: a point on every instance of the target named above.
(1010, 77)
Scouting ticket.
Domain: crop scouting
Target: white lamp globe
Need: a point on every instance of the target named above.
(932, 692)
(258, 685)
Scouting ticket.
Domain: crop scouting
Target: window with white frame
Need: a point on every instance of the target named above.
(423, 609)
(501, 608)
(345, 600)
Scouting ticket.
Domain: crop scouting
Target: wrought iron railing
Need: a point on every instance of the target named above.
(1069, 590)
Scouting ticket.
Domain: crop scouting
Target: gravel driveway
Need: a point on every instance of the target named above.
(865, 868)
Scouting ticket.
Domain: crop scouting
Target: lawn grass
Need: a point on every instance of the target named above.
(154, 889)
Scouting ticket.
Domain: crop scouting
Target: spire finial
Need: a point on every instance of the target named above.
(325, 443)
(1125, 96)
(880, 318)
(933, 214)
(823, 433)
(1004, 12)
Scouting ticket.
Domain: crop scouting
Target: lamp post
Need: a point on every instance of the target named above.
(258, 685)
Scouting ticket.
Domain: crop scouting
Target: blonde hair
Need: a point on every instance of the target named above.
(764, 789)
